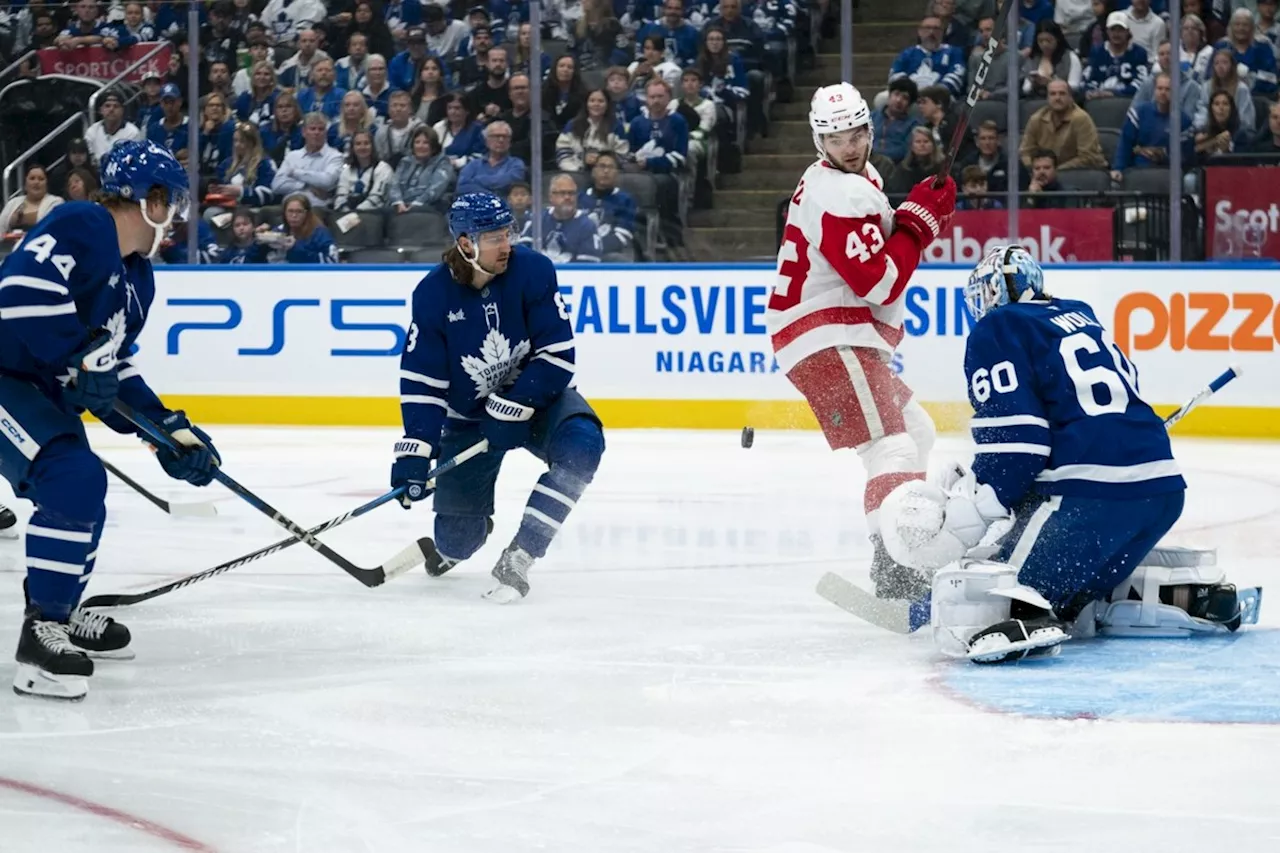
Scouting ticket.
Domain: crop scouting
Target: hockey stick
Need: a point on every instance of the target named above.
(124, 599)
(903, 616)
(196, 509)
(975, 92)
(401, 562)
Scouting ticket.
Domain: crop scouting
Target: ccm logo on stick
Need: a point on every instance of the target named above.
(1208, 322)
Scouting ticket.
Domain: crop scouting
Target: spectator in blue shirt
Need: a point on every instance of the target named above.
(1258, 55)
(931, 63)
(401, 70)
(496, 172)
(613, 210)
(1144, 139)
(301, 238)
(171, 130)
(255, 105)
(322, 96)
(1118, 66)
(84, 31)
(460, 136)
(245, 177)
(659, 142)
(283, 132)
(244, 247)
(568, 234)
(680, 40)
(893, 122)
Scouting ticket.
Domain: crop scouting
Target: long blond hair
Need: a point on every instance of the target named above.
(364, 124)
(253, 155)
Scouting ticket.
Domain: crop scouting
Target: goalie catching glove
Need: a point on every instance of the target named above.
(930, 525)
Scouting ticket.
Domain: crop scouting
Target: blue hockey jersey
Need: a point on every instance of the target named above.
(1056, 408)
(565, 241)
(614, 215)
(173, 138)
(64, 282)
(1120, 75)
(943, 67)
(1147, 127)
(1260, 59)
(680, 45)
(512, 336)
(660, 144)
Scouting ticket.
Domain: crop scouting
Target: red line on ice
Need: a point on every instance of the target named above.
(115, 815)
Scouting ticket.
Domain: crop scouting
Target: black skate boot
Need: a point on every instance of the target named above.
(1015, 639)
(8, 523)
(99, 636)
(512, 575)
(49, 665)
(437, 564)
(894, 580)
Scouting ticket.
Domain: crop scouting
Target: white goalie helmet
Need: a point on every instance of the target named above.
(836, 108)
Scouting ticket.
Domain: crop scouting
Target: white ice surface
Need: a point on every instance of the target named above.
(672, 684)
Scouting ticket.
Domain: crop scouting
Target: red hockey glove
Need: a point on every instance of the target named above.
(927, 212)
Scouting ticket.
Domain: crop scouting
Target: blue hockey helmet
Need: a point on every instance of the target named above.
(1007, 274)
(475, 213)
(132, 169)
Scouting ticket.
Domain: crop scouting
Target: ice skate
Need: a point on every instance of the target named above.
(99, 636)
(894, 580)
(512, 575)
(8, 523)
(1016, 639)
(49, 665)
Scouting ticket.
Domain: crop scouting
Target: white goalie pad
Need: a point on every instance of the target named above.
(973, 595)
(1153, 602)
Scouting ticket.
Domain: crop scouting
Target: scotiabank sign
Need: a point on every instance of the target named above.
(1243, 211)
(102, 64)
(1053, 236)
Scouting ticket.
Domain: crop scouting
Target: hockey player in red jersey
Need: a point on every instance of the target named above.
(835, 314)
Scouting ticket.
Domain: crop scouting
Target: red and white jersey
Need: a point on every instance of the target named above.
(838, 284)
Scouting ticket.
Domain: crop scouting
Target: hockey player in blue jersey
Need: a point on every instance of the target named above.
(1073, 484)
(73, 298)
(490, 355)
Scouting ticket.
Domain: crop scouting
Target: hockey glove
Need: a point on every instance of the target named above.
(506, 424)
(927, 212)
(410, 469)
(197, 459)
(93, 381)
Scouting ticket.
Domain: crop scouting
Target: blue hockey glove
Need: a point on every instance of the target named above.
(506, 424)
(94, 383)
(196, 461)
(412, 465)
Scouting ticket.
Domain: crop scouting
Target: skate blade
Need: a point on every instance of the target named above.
(503, 594)
(10, 533)
(1041, 644)
(33, 681)
(126, 653)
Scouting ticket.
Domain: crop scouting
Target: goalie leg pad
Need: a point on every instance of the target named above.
(1160, 601)
(970, 597)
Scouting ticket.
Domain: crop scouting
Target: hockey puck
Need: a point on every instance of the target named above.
(748, 436)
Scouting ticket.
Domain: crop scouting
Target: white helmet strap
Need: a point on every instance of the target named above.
(161, 228)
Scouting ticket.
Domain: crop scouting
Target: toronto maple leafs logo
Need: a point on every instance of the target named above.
(498, 364)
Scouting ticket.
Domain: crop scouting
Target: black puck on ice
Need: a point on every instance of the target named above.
(748, 436)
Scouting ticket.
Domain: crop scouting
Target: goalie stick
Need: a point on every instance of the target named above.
(902, 616)
(399, 563)
(195, 509)
(125, 599)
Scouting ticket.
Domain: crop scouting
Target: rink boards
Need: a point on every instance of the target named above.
(679, 346)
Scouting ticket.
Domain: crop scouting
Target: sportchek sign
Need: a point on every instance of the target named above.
(1242, 211)
(1053, 236)
(102, 64)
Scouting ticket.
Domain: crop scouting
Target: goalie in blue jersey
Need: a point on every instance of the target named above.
(74, 296)
(490, 355)
(1054, 529)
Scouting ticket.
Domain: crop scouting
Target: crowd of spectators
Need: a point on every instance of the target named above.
(314, 116)
(1095, 89)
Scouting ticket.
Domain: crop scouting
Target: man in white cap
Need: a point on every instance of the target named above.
(1118, 66)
